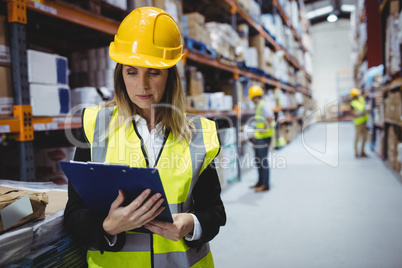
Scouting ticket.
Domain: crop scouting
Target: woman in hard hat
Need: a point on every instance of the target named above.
(264, 130)
(358, 104)
(145, 126)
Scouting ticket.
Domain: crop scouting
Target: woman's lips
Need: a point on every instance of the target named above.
(144, 97)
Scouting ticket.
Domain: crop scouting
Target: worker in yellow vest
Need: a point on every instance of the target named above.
(360, 116)
(145, 126)
(263, 133)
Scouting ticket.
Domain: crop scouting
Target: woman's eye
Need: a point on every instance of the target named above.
(154, 73)
(131, 73)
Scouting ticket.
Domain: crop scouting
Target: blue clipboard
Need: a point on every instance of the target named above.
(98, 184)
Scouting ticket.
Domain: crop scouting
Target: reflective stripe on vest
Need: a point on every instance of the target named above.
(261, 123)
(359, 105)
(179, 163)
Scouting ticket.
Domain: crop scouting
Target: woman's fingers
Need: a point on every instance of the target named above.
(146, 209)
(136, 203)
(118, 201)
(150, 213)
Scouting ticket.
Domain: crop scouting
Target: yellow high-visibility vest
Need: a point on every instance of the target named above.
(179, 167)
(359, 105)
(261, 123)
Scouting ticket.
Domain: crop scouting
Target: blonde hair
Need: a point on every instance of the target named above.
(170, 110)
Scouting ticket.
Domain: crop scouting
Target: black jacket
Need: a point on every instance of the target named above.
(86, 226)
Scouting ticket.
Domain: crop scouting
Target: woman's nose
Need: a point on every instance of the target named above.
(144, 81)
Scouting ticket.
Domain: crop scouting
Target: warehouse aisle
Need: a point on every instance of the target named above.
(315, 215)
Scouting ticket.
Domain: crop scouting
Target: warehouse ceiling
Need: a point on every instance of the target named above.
(317, 11)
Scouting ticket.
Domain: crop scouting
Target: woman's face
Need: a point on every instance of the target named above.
(145, 86)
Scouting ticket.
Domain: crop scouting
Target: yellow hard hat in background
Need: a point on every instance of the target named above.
(147, 37)
(354, 92)
(255, 91)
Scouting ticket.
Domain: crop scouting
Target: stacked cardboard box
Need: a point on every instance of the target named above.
(93, 68)
(393, 140)
(195, 82)
(6, 92)
(258, 42)
(48, 83)
(217, 101)
(194, 27)
(393, 107)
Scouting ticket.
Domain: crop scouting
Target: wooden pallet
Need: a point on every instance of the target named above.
(200, 47)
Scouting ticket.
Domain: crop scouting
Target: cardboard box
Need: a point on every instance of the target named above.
(392, 148)
(4, 42)
(47, 68)
(196, 83)
(193, 18)
(197, 103)
(20, 206)
(258, 42)
(394, 6)
(6, 91)
(49, 100)
(251, 57)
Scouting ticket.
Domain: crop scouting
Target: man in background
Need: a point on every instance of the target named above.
(263, 133)
(358, 104)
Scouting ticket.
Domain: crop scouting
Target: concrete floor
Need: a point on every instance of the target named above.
(315, 215)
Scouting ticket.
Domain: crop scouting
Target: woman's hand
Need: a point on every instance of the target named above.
(183, 224)
(135, 215)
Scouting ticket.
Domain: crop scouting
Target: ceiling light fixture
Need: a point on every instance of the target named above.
(332, 18)
(319, 12)
(348, 8)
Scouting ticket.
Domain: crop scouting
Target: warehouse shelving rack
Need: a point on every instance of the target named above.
(23, 125)
(373, 52)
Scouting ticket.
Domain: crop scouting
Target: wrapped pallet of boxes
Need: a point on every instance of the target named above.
(20, 206)
(392, 42)
(6, 93)
(224, 39)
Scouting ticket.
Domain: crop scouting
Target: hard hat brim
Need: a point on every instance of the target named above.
(136, 59)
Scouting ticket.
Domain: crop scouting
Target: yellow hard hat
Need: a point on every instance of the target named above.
(147, 37)
(255, 91)
(354, 92)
